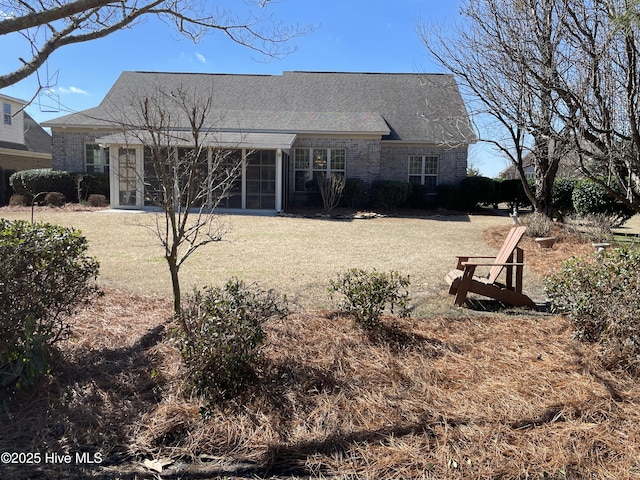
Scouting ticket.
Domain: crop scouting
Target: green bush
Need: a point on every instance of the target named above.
(477, 190)
(389, 194)
(354, 194)
(92, 184)
(366, 294)
(221, 345)
(512, 193)
(33, 182)
(421, 197)
(562, 197)
(5, 186)
(449, 197)
(590, 198)
(44, 275)
(601, 296)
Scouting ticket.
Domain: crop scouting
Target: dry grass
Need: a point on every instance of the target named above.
(477, 396)
(464, 395)
(294, 256)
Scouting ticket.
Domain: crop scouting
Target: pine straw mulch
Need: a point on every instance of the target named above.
(478, 395)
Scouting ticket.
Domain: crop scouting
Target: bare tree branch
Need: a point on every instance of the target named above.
(70, 22)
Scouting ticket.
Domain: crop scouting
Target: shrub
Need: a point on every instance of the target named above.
(591, 198)
(366, 294)
(97, 200)
(354, 193)
(512, 193)
(221, 345)
(32, 182)
(54, 199)
(538, 225)
(421, 197)
(18, 200)
(89, 184)
(562, 197)
(476, 191)
(449, 197)
(389, 194)
(593, 227)
(5, 186)
(44, 275)
(330, 190)
(601, 296)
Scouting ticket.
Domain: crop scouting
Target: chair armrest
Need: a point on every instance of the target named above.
(465, 258)
(482, 264)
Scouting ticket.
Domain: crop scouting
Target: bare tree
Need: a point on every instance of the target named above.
(187, 174)
(47, 25)
(558, 78)
(504, 57)
(604, 95)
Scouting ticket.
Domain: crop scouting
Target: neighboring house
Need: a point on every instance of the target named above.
(371, 126)
(23, 143)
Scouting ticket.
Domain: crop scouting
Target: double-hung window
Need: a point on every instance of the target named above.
(6, 110)
(311, 163)
(423, 170)
(96, 159)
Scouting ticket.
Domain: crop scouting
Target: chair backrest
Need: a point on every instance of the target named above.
(509, 245)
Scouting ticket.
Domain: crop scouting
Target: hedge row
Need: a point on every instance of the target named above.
(75, 187)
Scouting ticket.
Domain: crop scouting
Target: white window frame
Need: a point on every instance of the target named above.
(426, 169)
(6, 111)
(103, 161)
(331, 155)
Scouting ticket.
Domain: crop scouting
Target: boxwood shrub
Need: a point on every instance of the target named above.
(33, 182)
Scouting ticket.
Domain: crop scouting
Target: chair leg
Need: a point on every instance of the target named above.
(465, 284)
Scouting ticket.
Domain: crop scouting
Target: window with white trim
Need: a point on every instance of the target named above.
(6, 110)
(96, 158)
(310, 163)
(423, 170)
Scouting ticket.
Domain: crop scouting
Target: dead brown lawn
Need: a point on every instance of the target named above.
(294, 256)
(464, 394)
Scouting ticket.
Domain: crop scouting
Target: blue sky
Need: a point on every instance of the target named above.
(348, 35)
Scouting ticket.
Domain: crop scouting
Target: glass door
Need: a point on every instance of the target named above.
(127, 176)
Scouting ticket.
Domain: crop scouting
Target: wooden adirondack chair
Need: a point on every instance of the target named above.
(462, 279)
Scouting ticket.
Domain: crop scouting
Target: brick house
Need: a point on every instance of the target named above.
(372, 126)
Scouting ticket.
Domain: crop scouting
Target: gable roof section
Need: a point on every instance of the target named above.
(424, 108)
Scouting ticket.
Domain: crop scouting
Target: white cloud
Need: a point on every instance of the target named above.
(71, 90)
(201, 58)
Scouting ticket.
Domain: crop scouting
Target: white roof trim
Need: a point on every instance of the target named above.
(282, 141)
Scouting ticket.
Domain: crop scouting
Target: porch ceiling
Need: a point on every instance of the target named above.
(234, 140)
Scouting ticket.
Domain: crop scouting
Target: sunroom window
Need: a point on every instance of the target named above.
(310, 163)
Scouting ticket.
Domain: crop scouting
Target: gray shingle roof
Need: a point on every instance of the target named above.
(425, 108)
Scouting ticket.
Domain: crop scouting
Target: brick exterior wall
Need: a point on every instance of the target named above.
(22, 162)
(67, 148)
(452, 162)
(362, 159)
(369, 160)
(366, 158)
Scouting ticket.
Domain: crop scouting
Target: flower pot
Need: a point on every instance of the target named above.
(546, 242)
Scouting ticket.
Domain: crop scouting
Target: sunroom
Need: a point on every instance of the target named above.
(258, 187)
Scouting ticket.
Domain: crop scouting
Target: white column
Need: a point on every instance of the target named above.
(279, 180)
